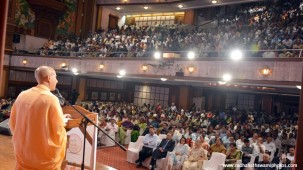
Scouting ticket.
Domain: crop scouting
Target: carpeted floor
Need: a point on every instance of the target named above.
(107, 158)
(115, 157)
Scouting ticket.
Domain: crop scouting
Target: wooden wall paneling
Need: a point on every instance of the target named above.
(10, 25)
(79, 17)
(47, 15)
(88, 13)
(189, 17)
(99, 17)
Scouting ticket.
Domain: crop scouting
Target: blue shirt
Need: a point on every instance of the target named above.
(151, 141)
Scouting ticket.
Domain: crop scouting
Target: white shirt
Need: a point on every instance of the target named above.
(291, 158)
(239, 144)
(256, 150)
(271, 147)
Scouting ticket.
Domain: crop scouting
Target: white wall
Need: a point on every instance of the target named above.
(105, 14)
(29, 43)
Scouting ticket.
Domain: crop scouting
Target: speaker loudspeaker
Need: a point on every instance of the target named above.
(16, 38)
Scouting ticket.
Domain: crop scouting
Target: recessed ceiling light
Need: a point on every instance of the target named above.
(227, 77)
(214, 1)
(145, 7)
(118, 8)
(180, 6)
(122, 72)
(222, 82)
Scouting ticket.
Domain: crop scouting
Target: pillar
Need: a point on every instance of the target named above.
(3, 20)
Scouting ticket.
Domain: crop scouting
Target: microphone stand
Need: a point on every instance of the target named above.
(84, 123)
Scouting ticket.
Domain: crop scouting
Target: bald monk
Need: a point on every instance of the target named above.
(37, 125)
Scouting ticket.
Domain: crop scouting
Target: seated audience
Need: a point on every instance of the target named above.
(150, 143)
(266, 160)
(232, 155)
(135, 133)
(166, 145)
(247, 151)
(180, 150)
(217, 147)
(196, 157)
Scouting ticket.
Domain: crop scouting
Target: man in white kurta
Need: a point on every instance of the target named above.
(111, 129)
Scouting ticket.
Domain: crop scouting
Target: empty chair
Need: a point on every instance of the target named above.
(133, 150)
(215, 162)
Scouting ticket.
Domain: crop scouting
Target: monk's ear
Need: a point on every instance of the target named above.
(48, 79)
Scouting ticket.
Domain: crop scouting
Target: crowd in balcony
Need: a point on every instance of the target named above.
(259, 136)
(274, 27)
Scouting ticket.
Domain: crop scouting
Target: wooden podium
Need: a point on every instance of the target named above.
(75, 137)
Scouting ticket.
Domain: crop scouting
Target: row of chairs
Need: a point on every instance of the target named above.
(215, 162)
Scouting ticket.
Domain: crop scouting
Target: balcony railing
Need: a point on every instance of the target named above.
(198, 53)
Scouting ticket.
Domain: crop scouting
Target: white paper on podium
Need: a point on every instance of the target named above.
(74, 152)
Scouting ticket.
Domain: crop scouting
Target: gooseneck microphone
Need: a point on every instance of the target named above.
(60, 97)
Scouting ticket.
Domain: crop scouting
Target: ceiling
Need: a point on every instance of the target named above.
(248, 87)
(136, 6)
(287, 89)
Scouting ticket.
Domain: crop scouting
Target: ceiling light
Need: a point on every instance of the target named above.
(122, 72)
(236, 54)
(226, 77)
(191, 55)
(144, 68)
(63, 64)
(191, 69)
(101, 66)
(214, 1)
(180, 6)
(145, 7)
(222, 82)
(24, 61)
(118, 8)
(266, 71)
(119, 76)
(75, 70)
(163, 79)
(157, 55)
(299, 87)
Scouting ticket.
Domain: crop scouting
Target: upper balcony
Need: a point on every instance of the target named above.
(247, 72)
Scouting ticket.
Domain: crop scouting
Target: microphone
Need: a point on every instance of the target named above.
(60, 97)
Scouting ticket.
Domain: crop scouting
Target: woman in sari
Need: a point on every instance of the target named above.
(196, 157)
(217, 147)
(180, 150)
(123, 129)
(142, 125)
(232, 155)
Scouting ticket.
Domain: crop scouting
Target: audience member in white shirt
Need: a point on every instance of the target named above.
(240, 142)
(270, 147)
(258, 147)
(254, 139)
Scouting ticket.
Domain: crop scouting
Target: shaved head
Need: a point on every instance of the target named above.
(47, 76)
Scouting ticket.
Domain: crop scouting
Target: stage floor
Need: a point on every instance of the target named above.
(107, 158)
